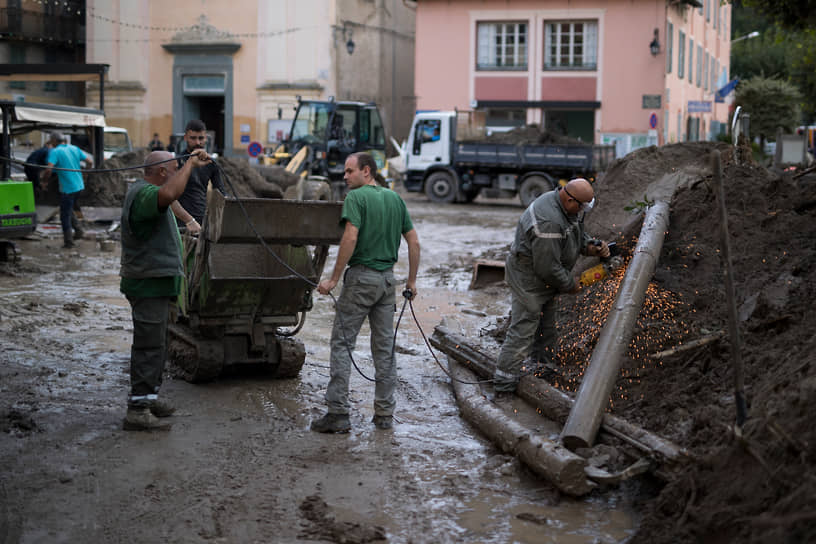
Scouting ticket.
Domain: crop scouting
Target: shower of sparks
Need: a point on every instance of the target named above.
(658, 327)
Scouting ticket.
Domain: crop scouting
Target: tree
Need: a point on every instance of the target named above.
(772, 104)
(790, 14)
(787, 27)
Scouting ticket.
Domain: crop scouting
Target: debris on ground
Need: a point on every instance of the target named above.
(748, 487)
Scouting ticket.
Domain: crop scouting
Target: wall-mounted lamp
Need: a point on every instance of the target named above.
(348, 34)
(654, 46)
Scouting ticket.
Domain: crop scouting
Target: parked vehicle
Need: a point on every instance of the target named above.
(115, 140)
(447, 158)
(325, 133)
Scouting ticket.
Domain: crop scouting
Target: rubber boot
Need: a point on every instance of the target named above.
(332, 423)
(139, 418)
(68, 239)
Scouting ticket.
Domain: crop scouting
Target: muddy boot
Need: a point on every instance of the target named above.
(68, 240)
(162, 409)
(502, 397)
(383, 422)
(140, 419)
(332, 423)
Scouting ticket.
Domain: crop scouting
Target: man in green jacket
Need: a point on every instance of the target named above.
(152, 271)
(375, 218)
(549, 237)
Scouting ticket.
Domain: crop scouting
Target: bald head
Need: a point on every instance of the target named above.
(576, 194)
(157, 156)
(581, 189)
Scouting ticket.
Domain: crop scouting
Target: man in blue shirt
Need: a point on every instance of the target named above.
(65, 155)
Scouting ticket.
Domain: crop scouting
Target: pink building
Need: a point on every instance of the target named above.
(628, 72)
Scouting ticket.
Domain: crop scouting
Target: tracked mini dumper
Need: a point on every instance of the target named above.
(239, 296)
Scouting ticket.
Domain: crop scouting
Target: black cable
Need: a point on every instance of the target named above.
(91, 170)
(292, 270)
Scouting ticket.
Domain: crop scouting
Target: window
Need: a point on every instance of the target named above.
(501, 46)
(669, 51)
(372, 133)
(699, 64)
(705, 72)
(50, 58)
(691, 61)
(203, 84)
(570, 45)
(16, 56)
(708, 9)
(681, 53)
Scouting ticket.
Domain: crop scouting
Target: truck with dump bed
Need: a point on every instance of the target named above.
(448, 157)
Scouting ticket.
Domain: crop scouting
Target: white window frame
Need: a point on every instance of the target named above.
(494, 38)
(554, 49)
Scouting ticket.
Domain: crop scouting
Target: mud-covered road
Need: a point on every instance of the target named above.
(240, 464)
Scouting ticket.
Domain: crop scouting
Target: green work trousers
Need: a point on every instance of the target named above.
(149, 350)
(366, 293)
(531, 321)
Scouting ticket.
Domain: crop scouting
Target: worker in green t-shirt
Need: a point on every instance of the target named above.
(374, 219)
(151, 271)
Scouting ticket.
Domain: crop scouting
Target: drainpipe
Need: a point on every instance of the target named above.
(604, 366)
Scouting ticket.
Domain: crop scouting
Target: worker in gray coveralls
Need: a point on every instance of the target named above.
(549, 237)
(374, 218)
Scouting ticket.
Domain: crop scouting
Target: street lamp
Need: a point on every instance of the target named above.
(654, 46)
(748, 36)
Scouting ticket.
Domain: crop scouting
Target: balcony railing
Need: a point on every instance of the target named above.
(35, 26)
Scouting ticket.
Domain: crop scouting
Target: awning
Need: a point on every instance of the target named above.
(58, 117)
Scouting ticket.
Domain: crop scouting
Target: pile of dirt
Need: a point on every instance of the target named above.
(758, 488)
(107, 189)
(531, 134)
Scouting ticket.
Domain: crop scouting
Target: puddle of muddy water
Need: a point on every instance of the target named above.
(474, 492)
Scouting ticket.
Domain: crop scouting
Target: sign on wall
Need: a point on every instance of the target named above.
(699, 106)
(651, 101)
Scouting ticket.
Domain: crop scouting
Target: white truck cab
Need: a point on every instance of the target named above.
(429, 141)
(116, 140)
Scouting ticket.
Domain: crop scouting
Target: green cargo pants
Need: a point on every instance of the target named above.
(149, 350)
(366, 293)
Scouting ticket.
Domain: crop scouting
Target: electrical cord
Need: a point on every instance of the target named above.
(407, 294)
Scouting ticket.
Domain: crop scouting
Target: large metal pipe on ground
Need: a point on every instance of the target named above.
(604, 366)
(553, 403)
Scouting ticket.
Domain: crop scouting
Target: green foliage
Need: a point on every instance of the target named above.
(790, 14)
(639, 205)
(785, 48)
(772, 103)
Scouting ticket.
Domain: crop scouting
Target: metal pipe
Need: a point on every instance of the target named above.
(604, 366)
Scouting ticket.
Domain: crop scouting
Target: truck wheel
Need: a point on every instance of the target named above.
(440, 187)
(316, 190)
(532, 187)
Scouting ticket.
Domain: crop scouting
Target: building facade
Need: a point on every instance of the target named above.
(603, 71)
(240, 65)
(42, 32)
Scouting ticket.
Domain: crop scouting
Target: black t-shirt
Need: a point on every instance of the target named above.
(194, 198)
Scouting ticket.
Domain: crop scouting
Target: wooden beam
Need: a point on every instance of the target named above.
(548, 459)
(554, 403)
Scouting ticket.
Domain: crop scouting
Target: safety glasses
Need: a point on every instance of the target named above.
(581, 205)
